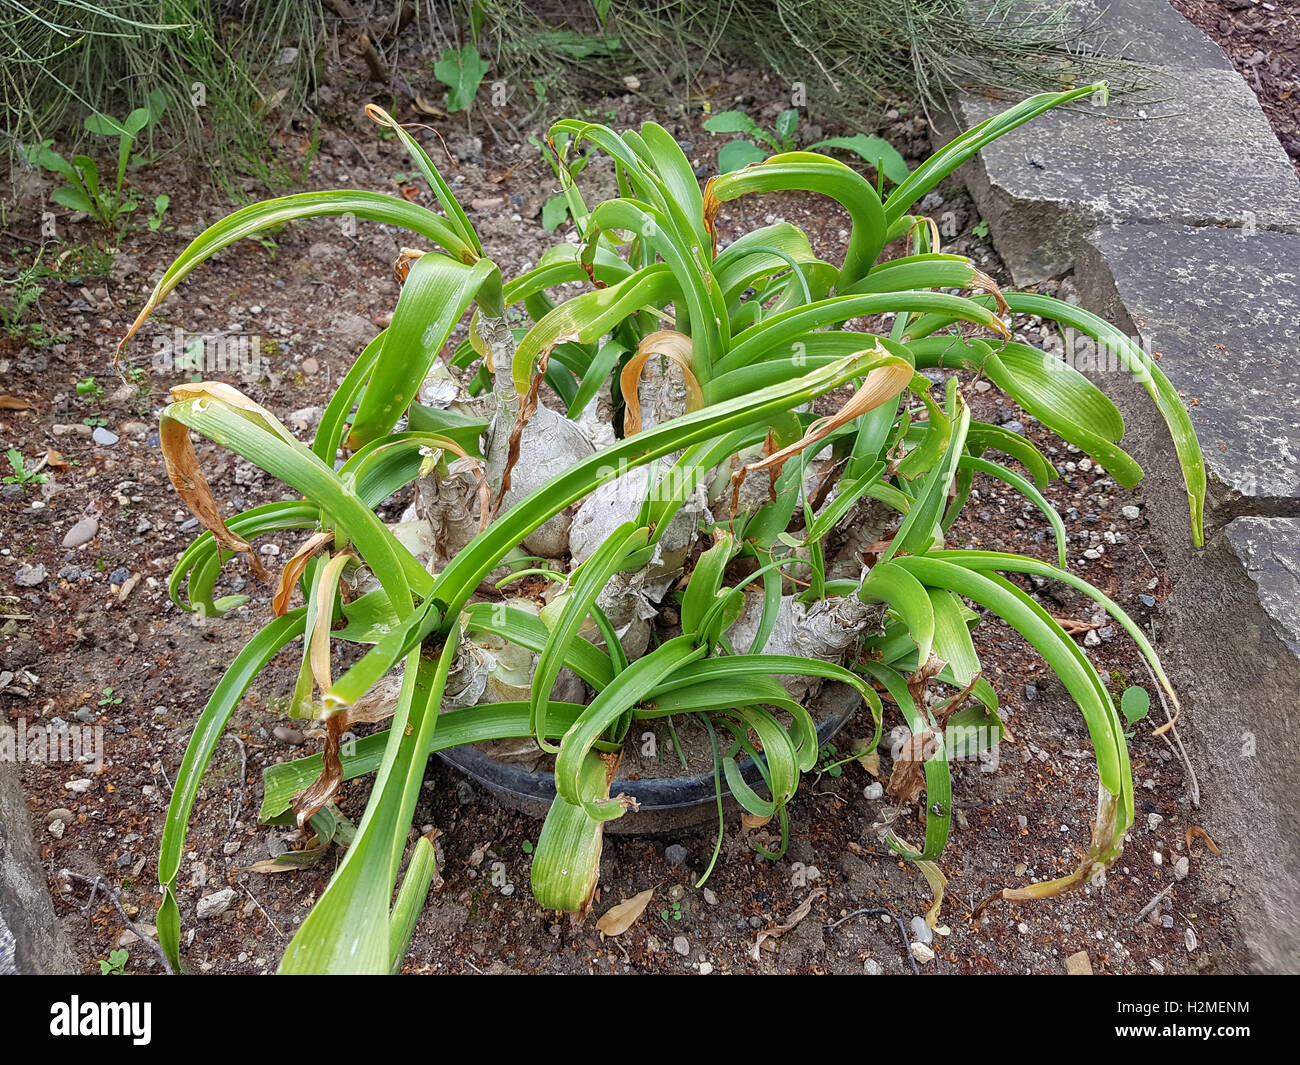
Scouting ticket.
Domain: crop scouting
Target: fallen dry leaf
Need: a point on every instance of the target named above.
(1073, 626)
(271, 865)
(775, 931)
(14, 403)
(1197, 830)
(869, 759)
(422, 105)
(55, 460)
(618, 919)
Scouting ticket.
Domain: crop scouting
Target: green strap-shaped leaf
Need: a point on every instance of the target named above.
(272, 448)
(587, 582)
(1144, 369)
(916, 532)
(437, 292)
(997, 560)
(203, 741)
(1065, 657)
(621, 694)
(410, 901)
(1029, 491)
(348, 930)
(456, 728)
(250, 220)
(960, 149)
(952, 640)
(778, 334)
(567, 863)
(906, 596)
(938, 777)
(809, 172)
(593, 314)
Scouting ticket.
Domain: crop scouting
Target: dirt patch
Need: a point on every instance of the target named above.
(1263, 42)
(87, 643)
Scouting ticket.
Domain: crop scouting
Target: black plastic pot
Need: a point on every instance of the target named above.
(668, 804)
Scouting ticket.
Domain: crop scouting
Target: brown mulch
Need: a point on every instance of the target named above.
(1262, 38)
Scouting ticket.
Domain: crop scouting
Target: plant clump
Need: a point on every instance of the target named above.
(629, 510)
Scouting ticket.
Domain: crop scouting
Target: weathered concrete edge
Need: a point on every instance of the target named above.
(1035, 204)
(31, 941)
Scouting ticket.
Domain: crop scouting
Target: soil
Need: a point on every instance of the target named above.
(1263, 42)
(89, 642)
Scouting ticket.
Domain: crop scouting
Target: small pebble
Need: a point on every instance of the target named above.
(922, 953)
(874, 790)
(871, 967)
(675, 854)
(29, 576)
(1182, 867)
(288, 735)
(81, 533)
(215, 904)
(921, 931)
(681, 946)
(104, 437)
(1131, 512)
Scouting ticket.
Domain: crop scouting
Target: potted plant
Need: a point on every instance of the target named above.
(634, 516)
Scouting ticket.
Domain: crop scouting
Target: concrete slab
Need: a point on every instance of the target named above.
(1194, 150)
(1233, 646)
(1149, 32)
(1221, 310)
(30, 940)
